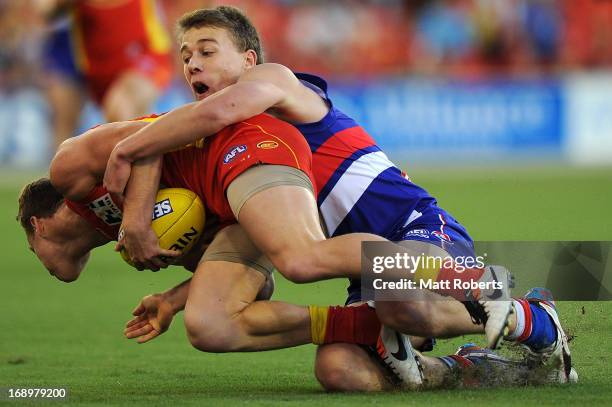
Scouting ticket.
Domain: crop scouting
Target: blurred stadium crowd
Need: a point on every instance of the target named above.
(343, 40)
(452, 37)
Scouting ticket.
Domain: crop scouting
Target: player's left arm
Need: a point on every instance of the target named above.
(269, 88)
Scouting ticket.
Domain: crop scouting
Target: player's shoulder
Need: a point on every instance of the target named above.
(273, 69)
(272, 73)
(304, 97)
(284, 77)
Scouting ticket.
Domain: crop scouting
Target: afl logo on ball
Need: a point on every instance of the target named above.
(267, 145)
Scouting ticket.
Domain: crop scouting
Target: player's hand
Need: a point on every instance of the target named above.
(117, 174)
(152, 317)
(142, 247)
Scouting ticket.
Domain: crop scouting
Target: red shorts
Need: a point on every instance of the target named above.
(209, 167)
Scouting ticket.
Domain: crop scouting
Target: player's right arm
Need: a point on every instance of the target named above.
(154, 313)
(80, 162)
(271, 88)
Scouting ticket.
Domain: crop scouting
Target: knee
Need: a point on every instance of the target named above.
(296, 267)
(409, 317)
(346, 367)
(208, 334)
(330, 369)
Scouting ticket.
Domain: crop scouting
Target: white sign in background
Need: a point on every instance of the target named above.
(588, 119)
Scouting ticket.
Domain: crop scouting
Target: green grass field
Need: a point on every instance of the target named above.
(54, 334)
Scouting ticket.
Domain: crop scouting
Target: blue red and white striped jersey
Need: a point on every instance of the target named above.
(359, 188)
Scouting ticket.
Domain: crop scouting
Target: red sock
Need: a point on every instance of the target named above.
(462, 361)
(357, 325)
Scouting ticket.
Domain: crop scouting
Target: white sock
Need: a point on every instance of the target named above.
(520, 321)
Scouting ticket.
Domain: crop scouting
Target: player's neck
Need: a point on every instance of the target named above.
(78, 231)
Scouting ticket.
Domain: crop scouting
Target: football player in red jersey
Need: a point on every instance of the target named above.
(117, 50)
(62, 226)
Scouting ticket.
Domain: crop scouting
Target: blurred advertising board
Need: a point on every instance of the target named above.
(454, 117)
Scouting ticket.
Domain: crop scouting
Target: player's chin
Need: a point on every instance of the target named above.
(67, 279)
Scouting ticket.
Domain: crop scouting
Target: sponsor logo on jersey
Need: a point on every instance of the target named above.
(162, 208)
(233, 153)
(424, 233)
(267, 145)
(442, 236)
(106, 210)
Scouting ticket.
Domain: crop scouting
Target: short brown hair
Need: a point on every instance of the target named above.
(242, 31)
(38, 198)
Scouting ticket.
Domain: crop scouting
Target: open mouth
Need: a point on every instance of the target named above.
(199, 87)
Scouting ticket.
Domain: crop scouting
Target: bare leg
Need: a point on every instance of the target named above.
(293, 239)
(65, 99)
(347, 367)
(438, 318)
(130, 96)
(221, 314)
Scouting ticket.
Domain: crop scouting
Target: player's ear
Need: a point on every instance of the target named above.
(37, 224)
(250, 59)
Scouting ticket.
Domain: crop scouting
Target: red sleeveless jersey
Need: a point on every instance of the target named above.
(208, 167)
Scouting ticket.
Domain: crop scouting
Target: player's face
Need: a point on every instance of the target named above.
(211, 60)
(46, 253)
